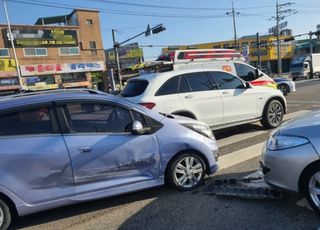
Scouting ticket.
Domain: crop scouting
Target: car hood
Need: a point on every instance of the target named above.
(306, 125)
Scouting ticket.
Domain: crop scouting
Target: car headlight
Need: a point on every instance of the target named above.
(279, 142)
(201, 129)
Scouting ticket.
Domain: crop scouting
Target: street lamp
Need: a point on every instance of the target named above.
(116, 45)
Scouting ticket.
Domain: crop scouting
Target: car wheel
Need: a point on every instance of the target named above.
(310, 187)
(5, 215)
(186, 171)
(96, 107)
(294, 79)
(272, 114)
(283, 88)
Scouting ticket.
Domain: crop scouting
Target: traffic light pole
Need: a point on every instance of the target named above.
(116, 45)
(116, 52)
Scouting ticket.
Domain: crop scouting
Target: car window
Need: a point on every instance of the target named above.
(92, 117)
(169, 87)
(245, 72)
(226, 80)
(184, 87)
(24, 122)
(134, 88)
(199, 81)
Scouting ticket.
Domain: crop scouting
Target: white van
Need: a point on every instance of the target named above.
(229, 60)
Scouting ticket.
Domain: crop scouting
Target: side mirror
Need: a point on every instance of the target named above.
(137, 128)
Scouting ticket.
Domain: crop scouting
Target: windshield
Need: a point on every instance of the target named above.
(296, 66)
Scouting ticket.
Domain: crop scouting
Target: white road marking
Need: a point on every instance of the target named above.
(240, 156)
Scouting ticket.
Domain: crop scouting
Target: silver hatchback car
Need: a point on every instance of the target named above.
(291, 157)
(61, 147)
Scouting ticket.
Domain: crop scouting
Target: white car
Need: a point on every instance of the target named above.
(285, 85)
(213, 96)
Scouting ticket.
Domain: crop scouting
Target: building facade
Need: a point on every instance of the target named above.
(267, 49)
(56, 52)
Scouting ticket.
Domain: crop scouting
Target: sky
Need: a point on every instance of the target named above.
(187, 22)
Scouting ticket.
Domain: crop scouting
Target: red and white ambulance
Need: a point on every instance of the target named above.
(229, 60)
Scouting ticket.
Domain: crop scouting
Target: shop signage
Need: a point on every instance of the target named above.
(33, 37)
(7, 65)
(136, 53)
(43, 87)
(44, 69)
(96, 77)
(75, 84)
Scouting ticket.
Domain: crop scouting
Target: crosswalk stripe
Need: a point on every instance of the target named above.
(240, 156)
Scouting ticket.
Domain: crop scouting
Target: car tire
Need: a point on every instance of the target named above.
(310, 184)
(272, 115)
(186, 171)
(5, 215)
(283, 88)
(294, 79)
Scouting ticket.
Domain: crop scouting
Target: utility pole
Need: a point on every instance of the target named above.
(234, 26)
(116, 46)
(278, 43)
(12, 45)
(310, 41)
(258, 47)
(280, 17)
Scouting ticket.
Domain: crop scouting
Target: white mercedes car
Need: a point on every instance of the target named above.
(213, 96)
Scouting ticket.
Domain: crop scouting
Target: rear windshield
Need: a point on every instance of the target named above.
(134, 88)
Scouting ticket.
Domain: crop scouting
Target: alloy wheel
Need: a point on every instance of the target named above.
(314, 188)
(188, 172)
(275, 114)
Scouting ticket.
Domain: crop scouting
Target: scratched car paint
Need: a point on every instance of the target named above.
(56, 150)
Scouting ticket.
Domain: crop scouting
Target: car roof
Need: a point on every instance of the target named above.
(176, 72)
(53, 95)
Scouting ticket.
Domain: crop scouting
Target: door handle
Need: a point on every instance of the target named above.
(188, 97)
(225, 92)
(85, 149)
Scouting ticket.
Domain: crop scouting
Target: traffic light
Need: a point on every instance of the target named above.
(159, 29)
(116, 74)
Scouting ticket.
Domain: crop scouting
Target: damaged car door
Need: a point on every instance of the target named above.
(103, 153)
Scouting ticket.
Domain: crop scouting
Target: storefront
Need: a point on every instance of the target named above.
(61, 75)
(9, 80)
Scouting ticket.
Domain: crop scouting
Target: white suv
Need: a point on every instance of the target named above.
(213, 96)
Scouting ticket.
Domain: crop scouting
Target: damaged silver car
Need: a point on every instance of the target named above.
(56, 150)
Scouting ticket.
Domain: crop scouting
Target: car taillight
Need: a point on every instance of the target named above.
(148, 105)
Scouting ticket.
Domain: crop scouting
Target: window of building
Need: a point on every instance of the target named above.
(92, 45)
(9, 81)
(35, 52)
(4, 52)
(88, 21)
(93, 52)
(41, 79)
(69, 51)
(73, 77)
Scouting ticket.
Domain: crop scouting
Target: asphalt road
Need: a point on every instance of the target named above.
(167, 208)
